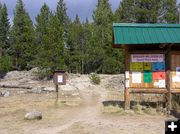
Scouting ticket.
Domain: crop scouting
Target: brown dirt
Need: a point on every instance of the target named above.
(80, 113)
(87, 118)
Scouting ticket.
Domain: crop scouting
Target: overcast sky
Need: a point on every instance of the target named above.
(83, 8)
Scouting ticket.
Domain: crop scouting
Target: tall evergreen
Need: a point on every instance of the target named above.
(41, 25)
(146, 11)
(4, 30)
(125, 12)
(88, 48)
(64, 22)
(105, 60)
(23, 47)
(75, 46)
(5, 59)
(168, 11)
(50, 56)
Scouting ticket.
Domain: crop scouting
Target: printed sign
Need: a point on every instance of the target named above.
(147, 66)
(147, 57)
(158, 66)
(127, 83)
(178, 71)
(136, 66)
(136, 77)
(176, 78)
(159, 75)
(127, 74)
(147, 77)
(162, 83)
(60, 79)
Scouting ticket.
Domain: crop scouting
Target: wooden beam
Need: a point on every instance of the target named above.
(175, 91)
(168, 78)
(148, 90)
(126, 91)
(15, 86)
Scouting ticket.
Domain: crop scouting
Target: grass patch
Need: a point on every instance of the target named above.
(112, 109)
(95, 79)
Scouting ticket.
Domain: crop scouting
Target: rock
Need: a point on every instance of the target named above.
(36, 90)
(68, 87)
(75, 94)
(5, 94)
(130, 112)
(50, 89)
(1, 95)
(34, 115)
(22, 92)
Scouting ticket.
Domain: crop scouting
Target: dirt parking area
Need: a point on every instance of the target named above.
(64, 117)
(82, 107)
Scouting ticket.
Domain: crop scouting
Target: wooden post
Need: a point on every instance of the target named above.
(127, 99)
(126, 90)
(168, 79)
(57, 87)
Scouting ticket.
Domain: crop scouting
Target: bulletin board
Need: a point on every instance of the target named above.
(147, 71)
(175, 71)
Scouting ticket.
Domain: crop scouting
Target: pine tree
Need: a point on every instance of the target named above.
(125, 12)
(51, 52)
(168, 11)
(104, 56)
(87, 47)
(5, 59)
(146, 11)
(76, 46)
(64, 22)
(4, 30)
(23, 48)
(41, 26)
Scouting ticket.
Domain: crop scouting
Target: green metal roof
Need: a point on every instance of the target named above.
(125, 33)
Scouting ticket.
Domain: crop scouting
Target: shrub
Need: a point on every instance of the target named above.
(5, 63)
(95, 79)
(176, 102)
(43, 73)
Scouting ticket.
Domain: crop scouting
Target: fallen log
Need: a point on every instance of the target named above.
(15, 86)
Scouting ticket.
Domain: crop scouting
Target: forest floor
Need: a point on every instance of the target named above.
(81, 108)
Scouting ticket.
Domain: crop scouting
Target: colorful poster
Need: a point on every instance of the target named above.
(136, 66)
(158, 66)
(147, 77)
(147, 66)
(147, 57)
(136, 77)
(159, 75)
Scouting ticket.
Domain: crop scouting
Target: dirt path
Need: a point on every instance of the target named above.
(86, 118)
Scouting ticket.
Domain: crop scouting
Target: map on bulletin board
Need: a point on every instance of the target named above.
(147, 77)
(136, 66)
(159, 75)
(158, 66)
(147, 66)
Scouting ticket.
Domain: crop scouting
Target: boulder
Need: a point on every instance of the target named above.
(4, 93)
(36, 90)
(1, 95)
(34, 115)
